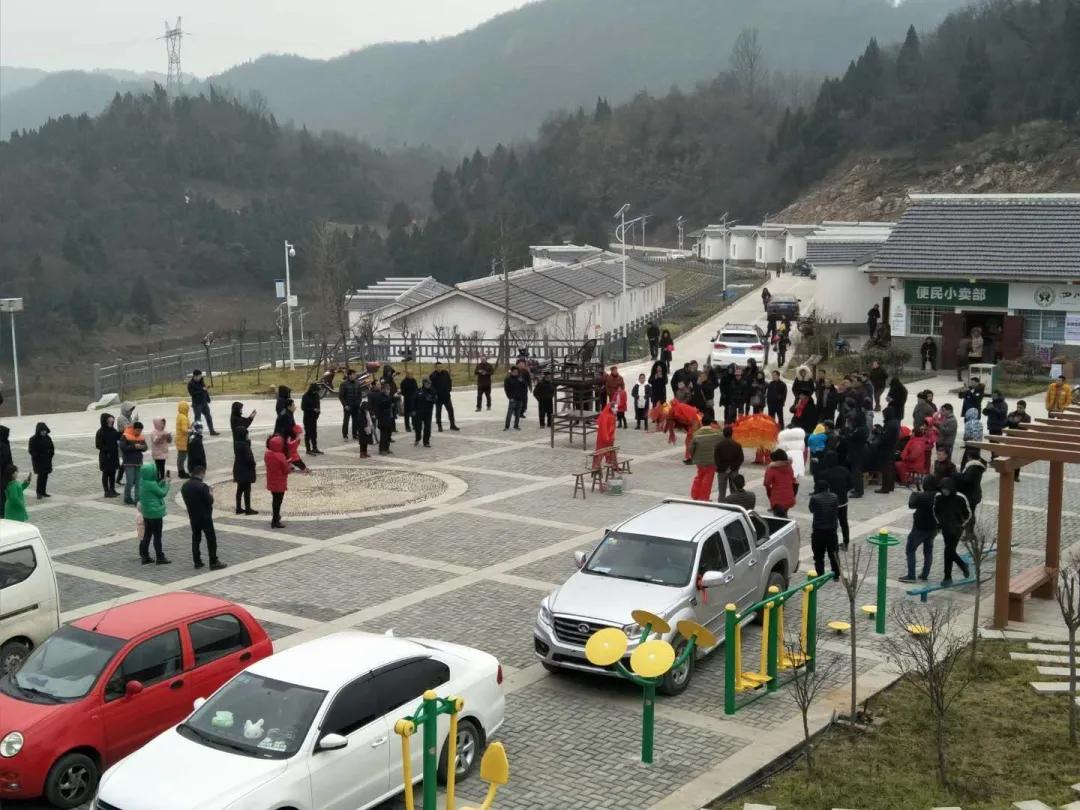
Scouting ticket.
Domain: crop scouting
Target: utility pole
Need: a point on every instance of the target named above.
(644, 218)
(174, 77)
(11, 306)
(727, 250)
(621, 216)
(290, 251)
(679, 224)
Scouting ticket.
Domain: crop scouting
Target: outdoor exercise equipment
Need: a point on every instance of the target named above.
(650, 661)
(839, 627)
(883, 540)
(494, 767)
(773, 657)
(924, 591)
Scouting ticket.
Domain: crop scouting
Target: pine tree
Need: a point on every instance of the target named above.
(909, 61)
(975, 82)
(142, 301)
(603, 109)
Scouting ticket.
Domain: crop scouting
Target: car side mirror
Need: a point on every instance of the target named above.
(198, 703)
(711, 579)
(132, 688)
(332, 742)
(580, 557)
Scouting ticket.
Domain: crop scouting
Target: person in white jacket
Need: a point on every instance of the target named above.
(641, 394)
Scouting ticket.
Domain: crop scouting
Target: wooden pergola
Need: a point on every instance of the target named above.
(1056, 440)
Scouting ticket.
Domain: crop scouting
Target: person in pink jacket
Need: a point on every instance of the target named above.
(160, 439)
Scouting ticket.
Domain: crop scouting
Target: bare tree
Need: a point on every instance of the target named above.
(806, 683)
(329, 280)
(748, 61)
(854, 565)
(1068, 598)
(927, 652)
(979, 544)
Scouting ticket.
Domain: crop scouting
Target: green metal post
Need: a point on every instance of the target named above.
(730, 623)
(882, 540)
(647, 722)
(773, 652)
(811, 628)
(431, 746)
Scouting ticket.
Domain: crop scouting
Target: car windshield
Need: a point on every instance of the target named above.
(255, 716)
(658, 560)
(65, 667)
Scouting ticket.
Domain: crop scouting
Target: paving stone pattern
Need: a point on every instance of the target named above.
(573, 739)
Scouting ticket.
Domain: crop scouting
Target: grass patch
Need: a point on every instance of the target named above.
(264, 382)
(1022, 388)
(1007, 743)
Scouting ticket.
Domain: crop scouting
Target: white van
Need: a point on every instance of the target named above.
(29, 604)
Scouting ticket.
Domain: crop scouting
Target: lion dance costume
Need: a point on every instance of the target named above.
(757, 432)
(671, 415)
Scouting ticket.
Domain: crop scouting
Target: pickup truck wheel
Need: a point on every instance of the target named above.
(778, 579)
(12, 656)
(676, 680)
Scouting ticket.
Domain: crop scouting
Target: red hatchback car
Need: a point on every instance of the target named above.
(101, 687)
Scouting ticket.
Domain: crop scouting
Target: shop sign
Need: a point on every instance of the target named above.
(898, 318)
(956, 294)
(1044, 296)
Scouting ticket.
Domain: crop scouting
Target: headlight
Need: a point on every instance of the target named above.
(633, 631)
(545, 612)
(11, 744)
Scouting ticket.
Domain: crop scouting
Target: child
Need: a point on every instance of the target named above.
(14, 499)
(816, 443)
(106, 441)
(159, 446)
(152, 505)
(183, 428)
(243, 471)
(641, 393)
(292, 447)
(277, 476)
(132, 447)
(367, 428)
(620, 405)
(780, 484)
(41, 453)
(973, 432)
(196, 452)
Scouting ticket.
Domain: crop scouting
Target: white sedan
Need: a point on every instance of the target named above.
(736, 343)
(312, 728)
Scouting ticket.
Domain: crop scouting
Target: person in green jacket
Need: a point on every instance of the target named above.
(14, 499)
(152, 494)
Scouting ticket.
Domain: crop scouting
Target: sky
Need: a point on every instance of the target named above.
(84, 34)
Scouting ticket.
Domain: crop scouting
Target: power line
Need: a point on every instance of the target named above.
(174, 80)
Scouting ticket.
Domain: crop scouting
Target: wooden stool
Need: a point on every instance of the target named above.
(579, 483)
(624, 466)
(597, 479)
(610, 471)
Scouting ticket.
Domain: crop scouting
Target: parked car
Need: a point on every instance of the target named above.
(312, 728)
(781, 305)
(679, 560)
(29, 606)
(738, 342)
(101, 687)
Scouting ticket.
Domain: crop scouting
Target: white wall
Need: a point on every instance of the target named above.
(467, 315)
(743, 247)
(713, 247)
(845, 291)
(794, 248)
(769, 249)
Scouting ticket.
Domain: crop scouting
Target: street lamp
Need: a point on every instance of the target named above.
(290, 252)
(14, 305)
(679, 224)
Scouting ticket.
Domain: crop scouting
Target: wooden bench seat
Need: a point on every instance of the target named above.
(1025, 583)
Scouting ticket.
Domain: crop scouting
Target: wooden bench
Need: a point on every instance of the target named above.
(596, 458)
(579, 483)
(1025, 583)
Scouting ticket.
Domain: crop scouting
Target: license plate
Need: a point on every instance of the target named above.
(738, 351)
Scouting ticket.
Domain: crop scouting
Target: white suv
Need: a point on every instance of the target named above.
(736, 343)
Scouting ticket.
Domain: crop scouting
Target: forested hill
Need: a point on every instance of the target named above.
(153, 207)
(732, 145)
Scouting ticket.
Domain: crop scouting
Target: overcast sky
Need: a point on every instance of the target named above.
(83, 34)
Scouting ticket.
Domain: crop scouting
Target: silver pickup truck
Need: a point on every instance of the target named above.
(679, 560)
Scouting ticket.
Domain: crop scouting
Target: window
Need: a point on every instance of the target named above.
(217, 636)
(1042, 326)
(737, 540)
(354, 707)
(925, 320)
(406, 683)
(790, 252)
(761, 253)
(16, 565)
(713, 557)
(151, 661)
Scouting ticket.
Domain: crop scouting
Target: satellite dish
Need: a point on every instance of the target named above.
(605, 647)
(643, 617)
(652, 659)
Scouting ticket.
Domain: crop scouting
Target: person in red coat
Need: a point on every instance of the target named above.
(914, 458)
(277, 476)
(292, 449)
(780, 483)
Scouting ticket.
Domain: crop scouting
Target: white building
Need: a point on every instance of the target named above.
(769, 243)
(379, 301)
(795, 241)
(742, 243)
(548, 255)
(713, 243)
(560, 301)
(840, 253)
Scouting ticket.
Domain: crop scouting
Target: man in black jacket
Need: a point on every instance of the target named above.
(515, 391)
(878, 376)
(200, 399)
(838, 479)
(738, 495)
(652, 332)
(382, 411)
(952, 511)
(349, 396)
(857, 435)
(728, 457)
(545, 399)
(887, 451)
(824, 506)
(423, 406)
(483, 372)
(526, 382)
(443, 384)
(923, 528)
(311, 406)
(408, 397)
(199, 500)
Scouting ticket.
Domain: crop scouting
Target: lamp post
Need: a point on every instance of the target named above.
(13, 305)
(679, 224)
(621, 232)
(290, 252)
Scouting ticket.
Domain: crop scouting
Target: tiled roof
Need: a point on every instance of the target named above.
(840, 252)
(1037, 236)
(406, 292)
